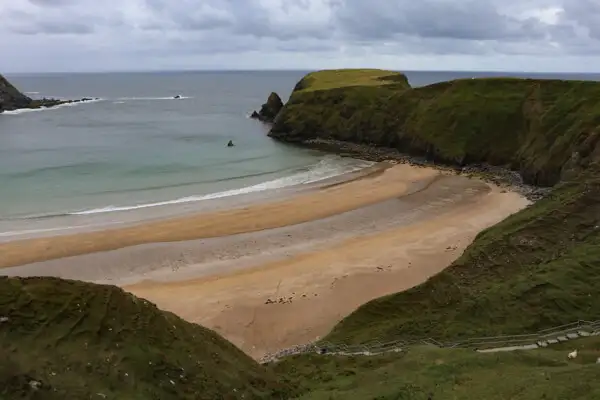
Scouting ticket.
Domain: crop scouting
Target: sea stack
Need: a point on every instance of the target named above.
(270, 109)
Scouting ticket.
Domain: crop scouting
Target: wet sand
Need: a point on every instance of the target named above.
(274, 274)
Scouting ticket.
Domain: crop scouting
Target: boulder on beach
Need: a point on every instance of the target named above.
(270, 109)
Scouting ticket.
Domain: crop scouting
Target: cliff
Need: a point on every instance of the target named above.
(533, 126)
(538, 268)
(10, 97)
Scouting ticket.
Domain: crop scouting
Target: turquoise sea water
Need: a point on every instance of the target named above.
(137, 147)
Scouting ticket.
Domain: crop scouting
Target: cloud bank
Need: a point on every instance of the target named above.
(87, 35)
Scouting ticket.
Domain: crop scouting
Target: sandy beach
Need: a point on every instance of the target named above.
(276, 273)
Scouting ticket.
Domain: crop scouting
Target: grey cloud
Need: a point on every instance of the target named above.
(464, 20)
(54, 28)
(52, 3)
(585, 14)
(327, 28)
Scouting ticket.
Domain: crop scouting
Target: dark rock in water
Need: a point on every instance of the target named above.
(230, 144)
(10, 97)
(177, 97)
(270, 109)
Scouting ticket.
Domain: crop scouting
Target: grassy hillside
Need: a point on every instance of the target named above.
(85, 341)
(534, 126)
(426, 373)
(538, 268)
(338, 78)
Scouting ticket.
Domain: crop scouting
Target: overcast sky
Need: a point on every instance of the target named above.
(93, 35)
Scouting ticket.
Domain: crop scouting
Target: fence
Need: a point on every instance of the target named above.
(564, 332)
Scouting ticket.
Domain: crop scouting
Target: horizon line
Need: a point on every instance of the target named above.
(208, 70)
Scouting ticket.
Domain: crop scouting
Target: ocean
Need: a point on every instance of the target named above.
(138, 148)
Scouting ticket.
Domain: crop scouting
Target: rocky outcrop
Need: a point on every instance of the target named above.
(270, 109)
(10, 97)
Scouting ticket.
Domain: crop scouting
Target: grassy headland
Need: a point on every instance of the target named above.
(537, 269)
(534, 126)
(84, 341)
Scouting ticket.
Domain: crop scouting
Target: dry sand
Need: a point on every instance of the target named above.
(272, 275)
(329, 201)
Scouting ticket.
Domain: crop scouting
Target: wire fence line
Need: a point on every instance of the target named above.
(374, 347)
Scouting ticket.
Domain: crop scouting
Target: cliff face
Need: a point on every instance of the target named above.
(10, 97)
(542, 128)
(537, 269)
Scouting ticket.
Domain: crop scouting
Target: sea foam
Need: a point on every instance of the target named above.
(329, 167)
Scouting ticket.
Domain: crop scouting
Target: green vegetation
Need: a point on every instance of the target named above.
(534, 126)
(73, 340)
(78, 339)
(430, 373)
(538, 268)
(336, 78)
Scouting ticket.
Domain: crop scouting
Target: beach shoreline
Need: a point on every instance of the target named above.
(497, 175)
(279, 272)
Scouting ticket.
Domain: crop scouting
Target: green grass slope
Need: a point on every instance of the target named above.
(539, 268)
(426, 373)
(338, 78)
(534, 126)
(86, 341)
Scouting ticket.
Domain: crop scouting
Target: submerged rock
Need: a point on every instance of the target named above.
(270, 109)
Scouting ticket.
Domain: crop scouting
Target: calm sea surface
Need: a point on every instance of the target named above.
(139, 148)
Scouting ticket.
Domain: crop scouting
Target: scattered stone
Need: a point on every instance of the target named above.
(35, 385)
